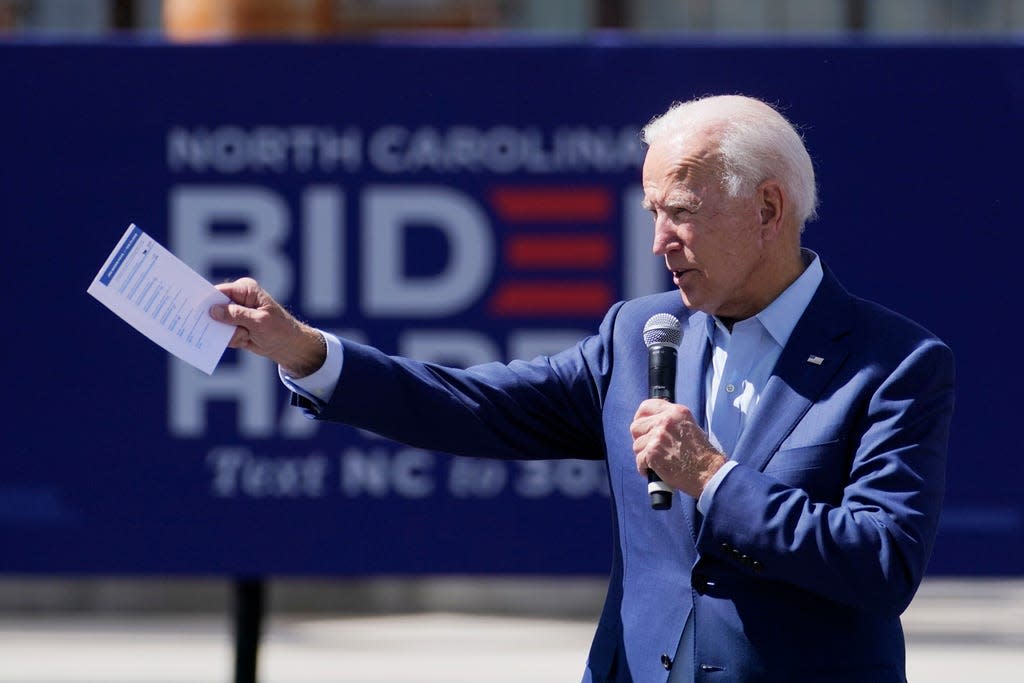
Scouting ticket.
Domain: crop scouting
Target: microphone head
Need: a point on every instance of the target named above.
(662, 329)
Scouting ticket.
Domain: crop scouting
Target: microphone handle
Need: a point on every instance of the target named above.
(662, 382)
(661, 493)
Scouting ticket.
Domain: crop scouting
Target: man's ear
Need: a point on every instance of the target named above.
(771, 206)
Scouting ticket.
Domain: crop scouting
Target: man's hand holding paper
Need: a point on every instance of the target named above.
(267, 329)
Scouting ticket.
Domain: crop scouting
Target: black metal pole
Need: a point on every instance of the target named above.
(123, 15)
(249, 599)
(856, 18)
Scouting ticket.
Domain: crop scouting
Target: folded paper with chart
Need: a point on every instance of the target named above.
(163, 298)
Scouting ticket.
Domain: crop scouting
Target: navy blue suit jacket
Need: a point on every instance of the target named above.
(814, 544)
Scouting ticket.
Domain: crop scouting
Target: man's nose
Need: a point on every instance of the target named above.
(665, 239)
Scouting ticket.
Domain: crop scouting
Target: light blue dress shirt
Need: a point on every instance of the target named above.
(743, 361)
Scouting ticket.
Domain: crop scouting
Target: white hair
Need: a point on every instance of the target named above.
(755, 142)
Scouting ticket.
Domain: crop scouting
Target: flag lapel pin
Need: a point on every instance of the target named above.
(815, 360)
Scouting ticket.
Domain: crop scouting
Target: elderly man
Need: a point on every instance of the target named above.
(806, 444)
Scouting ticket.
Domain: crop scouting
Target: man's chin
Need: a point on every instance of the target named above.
(693, 304)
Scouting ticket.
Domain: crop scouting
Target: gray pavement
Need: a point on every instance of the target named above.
(957, 631)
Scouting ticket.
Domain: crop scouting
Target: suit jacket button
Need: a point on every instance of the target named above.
(699, 582)
(666, 661)
(756, 565)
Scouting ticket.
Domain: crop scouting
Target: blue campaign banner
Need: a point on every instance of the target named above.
(461, 201)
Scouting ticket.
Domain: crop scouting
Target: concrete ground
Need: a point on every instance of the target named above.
(957, 631)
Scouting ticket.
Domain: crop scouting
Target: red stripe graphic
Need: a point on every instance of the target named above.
(552, 204)
(556, 297)
(558, 251)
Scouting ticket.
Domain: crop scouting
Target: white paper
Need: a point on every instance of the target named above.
(161, 297)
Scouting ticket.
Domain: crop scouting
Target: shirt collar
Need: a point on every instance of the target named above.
(780, 317)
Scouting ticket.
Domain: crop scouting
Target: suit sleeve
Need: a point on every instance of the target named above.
(546, 408)
(869, 551)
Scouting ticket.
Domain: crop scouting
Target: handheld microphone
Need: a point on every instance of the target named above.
(662, 334)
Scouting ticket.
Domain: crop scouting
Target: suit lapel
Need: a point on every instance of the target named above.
(813, 354)
(693, 354)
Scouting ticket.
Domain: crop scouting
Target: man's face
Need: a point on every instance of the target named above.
(711, 242)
